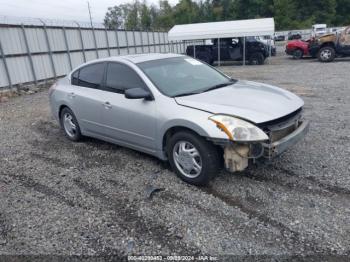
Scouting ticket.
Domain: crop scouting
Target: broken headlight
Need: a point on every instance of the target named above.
(237, 129)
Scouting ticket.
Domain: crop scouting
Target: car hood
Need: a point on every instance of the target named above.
(327, 35)
(256, 102)
(297, 42)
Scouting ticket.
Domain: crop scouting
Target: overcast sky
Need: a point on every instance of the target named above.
(61, 9)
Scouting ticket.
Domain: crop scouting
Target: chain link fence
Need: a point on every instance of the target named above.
(37, 50)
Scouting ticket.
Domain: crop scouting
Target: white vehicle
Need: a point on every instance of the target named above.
(318, 30)
(266, 40)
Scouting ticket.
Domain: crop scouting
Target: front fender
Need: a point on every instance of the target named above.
(193, 119)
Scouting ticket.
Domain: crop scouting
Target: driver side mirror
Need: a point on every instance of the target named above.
(138, 93)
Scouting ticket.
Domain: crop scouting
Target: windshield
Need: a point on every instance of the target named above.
(181, 76)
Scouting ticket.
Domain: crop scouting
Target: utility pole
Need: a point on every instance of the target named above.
(89, 13)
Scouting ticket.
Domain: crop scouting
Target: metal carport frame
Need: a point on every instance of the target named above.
(226, 29)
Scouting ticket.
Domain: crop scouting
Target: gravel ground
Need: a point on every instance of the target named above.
(89, 198)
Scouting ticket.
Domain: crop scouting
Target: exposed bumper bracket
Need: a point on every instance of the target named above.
(276, 148)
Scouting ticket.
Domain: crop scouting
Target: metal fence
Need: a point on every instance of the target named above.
(39, 51)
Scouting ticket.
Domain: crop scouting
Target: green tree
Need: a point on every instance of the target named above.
(288, 14)
(132, 18)
(205, 11)
(116, 16)
(284, 13)
(145, 17)
(165, 18)
(342, 16)
(186, 12)
(154, 13)
(314, 11)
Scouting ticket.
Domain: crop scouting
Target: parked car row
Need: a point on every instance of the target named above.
(290, 36)
(326, 47)
(317, 30)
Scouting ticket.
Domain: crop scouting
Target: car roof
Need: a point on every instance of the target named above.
(134, 58)
(139, 58)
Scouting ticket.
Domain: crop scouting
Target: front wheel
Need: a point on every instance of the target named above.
(70, 124)
(195, 160)
(297, 54)
(326, 54)
(257, 59)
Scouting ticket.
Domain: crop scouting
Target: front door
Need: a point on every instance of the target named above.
(344, 41)
(131, 122)
(235, 50)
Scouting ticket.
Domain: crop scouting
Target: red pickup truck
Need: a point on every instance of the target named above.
(298, 48)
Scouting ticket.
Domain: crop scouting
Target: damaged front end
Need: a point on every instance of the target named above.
(280, 135)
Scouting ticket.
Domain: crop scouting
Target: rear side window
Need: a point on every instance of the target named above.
(75, 78)
(121, 77)
(90, 76)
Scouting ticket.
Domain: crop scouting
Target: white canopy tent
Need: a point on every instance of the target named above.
(226, 29)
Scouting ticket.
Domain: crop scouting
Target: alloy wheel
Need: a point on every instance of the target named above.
(326, 54)
(69, 127)
(187, 159)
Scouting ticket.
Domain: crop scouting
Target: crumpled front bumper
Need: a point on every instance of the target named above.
(276, 148)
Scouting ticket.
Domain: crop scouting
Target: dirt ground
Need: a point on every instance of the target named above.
(90, 198)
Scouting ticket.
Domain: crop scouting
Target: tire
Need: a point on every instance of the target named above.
(208, 158)
(70, 125)
(257, 59)
(326, 54)
(298, 54)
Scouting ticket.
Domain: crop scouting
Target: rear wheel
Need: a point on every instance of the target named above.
(257, 59)
(195, 160)
(297, 54)
(70, 124)
(326, 54)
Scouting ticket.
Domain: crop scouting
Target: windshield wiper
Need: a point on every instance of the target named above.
(186, 94)
(218, 86)
(230, 82)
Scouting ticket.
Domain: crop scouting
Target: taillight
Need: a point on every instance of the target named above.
(52, 88)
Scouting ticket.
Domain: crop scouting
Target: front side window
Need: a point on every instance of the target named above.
(91, 75)
(121, 77)
(183, 76)
(75, 78)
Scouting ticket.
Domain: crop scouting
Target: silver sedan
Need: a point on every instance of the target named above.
(178, 109)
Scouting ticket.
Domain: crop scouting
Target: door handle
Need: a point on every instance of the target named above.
(71, 95)
(107, 105)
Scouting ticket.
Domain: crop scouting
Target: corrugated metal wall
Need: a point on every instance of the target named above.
(32, 53)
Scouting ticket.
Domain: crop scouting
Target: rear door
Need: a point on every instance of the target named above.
(131, 122)
(88, 106)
